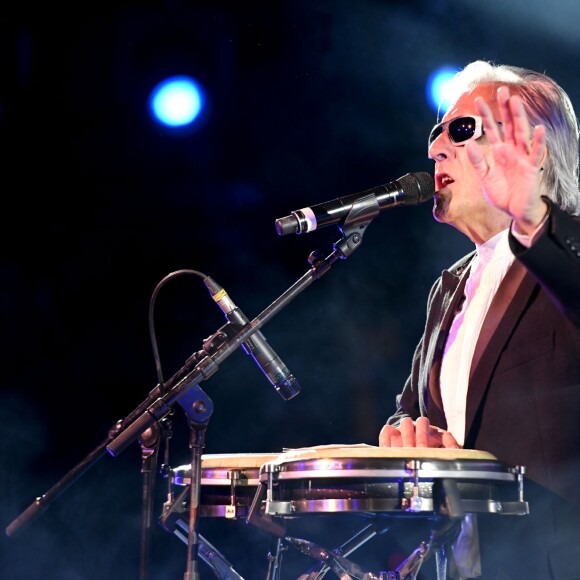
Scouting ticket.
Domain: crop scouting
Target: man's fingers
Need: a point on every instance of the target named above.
(419, 433)
(389, 437)
(477, 158)
(402, 436)
(422, 428)
(490, 126)
(448, 441)
(407, 429)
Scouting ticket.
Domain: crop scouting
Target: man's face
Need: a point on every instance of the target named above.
(459, 199)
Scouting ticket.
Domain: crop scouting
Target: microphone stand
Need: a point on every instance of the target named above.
(182, 388)
(150, 442)
(199, 408)
(154, 409)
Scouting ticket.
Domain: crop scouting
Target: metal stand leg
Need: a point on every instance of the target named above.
(275, 560)
(208, 553)
(361, 536)
(334, 561)
(438, 539)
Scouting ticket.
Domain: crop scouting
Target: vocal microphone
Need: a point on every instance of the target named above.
(256, 346)
(411, 189)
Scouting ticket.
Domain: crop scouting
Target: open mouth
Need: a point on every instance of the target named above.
(443, 180)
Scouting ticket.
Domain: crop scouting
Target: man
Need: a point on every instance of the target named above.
(498, 366)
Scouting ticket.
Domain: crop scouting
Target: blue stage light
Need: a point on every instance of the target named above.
(176, 101)
(435, 88)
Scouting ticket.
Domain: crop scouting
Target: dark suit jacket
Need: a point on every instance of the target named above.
(523, 402)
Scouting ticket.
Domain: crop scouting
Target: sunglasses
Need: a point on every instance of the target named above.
(460, 129)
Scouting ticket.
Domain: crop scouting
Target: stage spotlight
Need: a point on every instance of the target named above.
(176, 102)
(435, 88)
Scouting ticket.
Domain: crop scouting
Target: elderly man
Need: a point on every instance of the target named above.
(498, 366)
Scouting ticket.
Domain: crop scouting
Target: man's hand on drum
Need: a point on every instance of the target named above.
(419, 433)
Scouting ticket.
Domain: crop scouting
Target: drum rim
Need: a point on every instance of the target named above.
(383, 467)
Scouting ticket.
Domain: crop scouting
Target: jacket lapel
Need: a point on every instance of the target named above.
(452, 288)
(504, 311)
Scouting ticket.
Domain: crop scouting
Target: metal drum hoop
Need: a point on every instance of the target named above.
(228, 482)
(402, 481)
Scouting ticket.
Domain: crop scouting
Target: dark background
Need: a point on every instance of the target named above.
(308, 101)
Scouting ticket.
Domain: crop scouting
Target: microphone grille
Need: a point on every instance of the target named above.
(417, 187)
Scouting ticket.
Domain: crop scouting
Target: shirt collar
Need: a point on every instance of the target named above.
(495, 247)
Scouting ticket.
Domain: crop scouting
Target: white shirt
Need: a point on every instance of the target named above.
(487, 270)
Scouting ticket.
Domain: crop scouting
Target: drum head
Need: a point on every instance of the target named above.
(369, 451)
(222, 468)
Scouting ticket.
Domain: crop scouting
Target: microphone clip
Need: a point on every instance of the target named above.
(219, 339)
(363, 211)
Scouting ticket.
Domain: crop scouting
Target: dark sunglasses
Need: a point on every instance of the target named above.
(460, 129)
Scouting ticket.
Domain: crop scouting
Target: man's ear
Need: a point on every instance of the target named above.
(544, 158)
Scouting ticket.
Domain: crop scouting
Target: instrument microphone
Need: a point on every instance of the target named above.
(411, 189)
(256, 346)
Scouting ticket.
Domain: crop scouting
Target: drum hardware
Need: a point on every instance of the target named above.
(346, 569)
(275, 556)
(337, 562)
(231, 507)
(383, 484)
(227, 484)
(173, 520)
(449, 498)
(440, 485)
(208, 553)
(444, 533)
(416, 501)
(258, 518)
(366, 532)
(231, 510)
(521, 472)
(173, 510)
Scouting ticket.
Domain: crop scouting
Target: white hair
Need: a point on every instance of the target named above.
(546, 104)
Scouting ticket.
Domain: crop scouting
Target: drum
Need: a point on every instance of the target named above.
(375, 480)
(228, 482)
